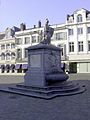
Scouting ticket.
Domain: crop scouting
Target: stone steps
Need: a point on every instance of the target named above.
(41, 94)
(63, 85)
(40, 91)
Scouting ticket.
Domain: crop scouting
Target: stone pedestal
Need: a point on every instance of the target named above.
(44, 65)
(44, 78)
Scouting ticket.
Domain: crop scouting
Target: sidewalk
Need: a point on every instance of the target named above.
(16, 107)
(79, 76)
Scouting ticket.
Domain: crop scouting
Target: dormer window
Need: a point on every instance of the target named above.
(79, 18)
(88, 16)
(70, 18)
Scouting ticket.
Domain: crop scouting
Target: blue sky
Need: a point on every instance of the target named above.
(14, 12)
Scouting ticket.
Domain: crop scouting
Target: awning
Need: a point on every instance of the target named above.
(12, 66)
(17, 66)
(2, 66)
(7, 66)
(24, 66)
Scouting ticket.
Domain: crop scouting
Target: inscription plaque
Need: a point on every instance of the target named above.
(35, 61)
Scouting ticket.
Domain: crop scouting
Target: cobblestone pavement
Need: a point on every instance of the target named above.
(16, 107)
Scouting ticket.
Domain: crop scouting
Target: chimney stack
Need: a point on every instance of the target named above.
(34, 26)
(22, 26)
(39, 23)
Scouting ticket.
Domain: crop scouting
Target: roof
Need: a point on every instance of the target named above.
(16, 29)
(80, 10)
(2, 35)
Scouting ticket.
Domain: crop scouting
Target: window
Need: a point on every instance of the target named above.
(12, 55)
(57, 36)
(12, 45)
(62, 52)
(70, 19)
(61, 36)
(33, 39)
(71, 47)
(19, 53)
(2, 56)
(88, 30)
(79, 18)
(8, 56)
(80, 31)
(2, 47)
(27, 40)
(19, 41)
(26, 53)
(70, 31)
(7, 46)
(88, 16)
(88, 45)
(39, 38)
(62, 49)
(80, 46)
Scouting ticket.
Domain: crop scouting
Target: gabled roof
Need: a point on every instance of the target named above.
(2, 35)
(15, 28)
(80, 10)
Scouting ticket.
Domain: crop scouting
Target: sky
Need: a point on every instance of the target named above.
(15, 12)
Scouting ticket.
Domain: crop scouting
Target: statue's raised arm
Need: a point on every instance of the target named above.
(48, 33)
(46, 28)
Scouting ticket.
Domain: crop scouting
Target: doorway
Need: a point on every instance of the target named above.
(73, 67)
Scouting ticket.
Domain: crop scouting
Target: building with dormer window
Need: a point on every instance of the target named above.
(78, 57)
(73, 37)
(8, 51)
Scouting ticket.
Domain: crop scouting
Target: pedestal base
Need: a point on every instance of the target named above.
(44, 63)
(61, 89)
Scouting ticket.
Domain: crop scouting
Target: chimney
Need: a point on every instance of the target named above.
(22, 26)
(34, 26)
(39, 23)
(68, 17)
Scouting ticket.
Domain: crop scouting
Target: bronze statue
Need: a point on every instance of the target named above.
(48, 33)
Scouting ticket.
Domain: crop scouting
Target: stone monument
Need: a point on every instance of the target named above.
(45, 78)
(44, 62)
